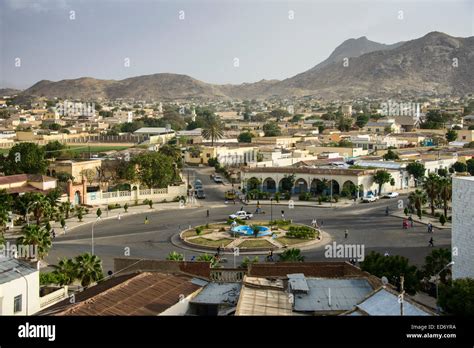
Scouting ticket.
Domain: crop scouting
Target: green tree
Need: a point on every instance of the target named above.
(208, 258)
(445, 189)
(435, 262)
(291, 255)
(36, 237)
(381, 177)
(245, 137)
(53, 149)
(25, 158)
(470, 166)
(63, 177)
(460, 167)
(392, 267)
(457, 298)
(271, 129)
(212, 128)
(173, 152)
(391, 156)
(451, 135)
(361, 121)
(88, 269)
(431, 187)
(288, 182)
(279, 114)
(417, 170)
(152, 169)
(65, 271)
(344, 124)
(417, 198)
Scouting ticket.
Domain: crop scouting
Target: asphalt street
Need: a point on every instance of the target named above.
(366, 223)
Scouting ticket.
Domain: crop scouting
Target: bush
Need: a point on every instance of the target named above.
(304, 196)
(277, 196)
(405, 211)
(125, 207)
(199, 230)
(336, 198)
(320, 200)
(286, 195)
(442, 219)
(302, 232)
(437, 214)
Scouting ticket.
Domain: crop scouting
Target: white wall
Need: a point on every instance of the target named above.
(462, 240)
(16, 287)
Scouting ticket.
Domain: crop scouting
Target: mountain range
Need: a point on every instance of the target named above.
(435, 64)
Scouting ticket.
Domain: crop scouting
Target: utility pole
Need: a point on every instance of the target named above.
(402, 293)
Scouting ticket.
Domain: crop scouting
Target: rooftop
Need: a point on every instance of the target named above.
(8, 266)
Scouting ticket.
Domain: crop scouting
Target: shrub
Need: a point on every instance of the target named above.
(304, 196)
(286, 195)
(442, 219)
(437, 214)
(302, 232)
(336, 198)
(79, 215)
(405, 211)
(277, 197)
(199, 230)
(320, 200)
(63, 222)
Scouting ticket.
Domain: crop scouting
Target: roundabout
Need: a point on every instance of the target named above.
(257, 236)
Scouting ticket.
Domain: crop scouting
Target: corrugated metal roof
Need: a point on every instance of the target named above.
(218, 293)
(384, 302)
(8, 266)
(332, 294)
(255, 301)
(297, 282)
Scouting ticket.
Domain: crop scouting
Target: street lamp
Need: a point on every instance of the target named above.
(92, 242)
(438, 277)
(26, 280)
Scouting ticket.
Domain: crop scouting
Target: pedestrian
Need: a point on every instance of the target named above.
(146, 220)
(405, 224)
(430, 228)
(283, 215)
(119, 216)
(386, 211)
(313, 223)
(207, 213)
(218, 250)
(54, 233)
(234, 201)
(241, 208)
(431, 242)
(410, 218)
(346, 233)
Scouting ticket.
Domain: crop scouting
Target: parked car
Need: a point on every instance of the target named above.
(198, 184)
(200, 194)
(370, 198)
(218, 179)
(391, 195)
(242, 215)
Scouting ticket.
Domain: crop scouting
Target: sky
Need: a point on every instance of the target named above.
(220, 41)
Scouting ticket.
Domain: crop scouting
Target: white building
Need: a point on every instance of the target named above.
(462, 240)
(19, 287)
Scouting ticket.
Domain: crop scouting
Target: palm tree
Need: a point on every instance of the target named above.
(65, 208)
(88, 268)
(255, 230)
(174, 256)
(417, 198)
(66, 270)
(208, 258)
(213, 128)
(41, 206)
(291, 255)
(37, 237)
(431, 186)
(445, 193)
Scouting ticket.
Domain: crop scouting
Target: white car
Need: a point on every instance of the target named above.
(242, 215)
(370, 198)
(391, 194)
(217, 179)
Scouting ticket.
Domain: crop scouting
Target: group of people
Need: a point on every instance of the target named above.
(408, 223)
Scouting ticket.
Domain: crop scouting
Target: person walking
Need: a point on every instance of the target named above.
(386, 211)
(405, 224)
(431, 242)
(207, 213)
(346, 233)
(430, 228)
(410, 218)
(283, 215)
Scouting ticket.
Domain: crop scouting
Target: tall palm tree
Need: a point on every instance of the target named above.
(66, 270)
(431, 187)
(291, 255)
(417, 198)
(445, 193)
(65, 208)
(213, 128)
(37, 237)
(88, 268)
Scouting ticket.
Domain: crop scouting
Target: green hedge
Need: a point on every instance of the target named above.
(302, 232)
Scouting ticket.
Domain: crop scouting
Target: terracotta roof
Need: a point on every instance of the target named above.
(10, 179)
(147, 293)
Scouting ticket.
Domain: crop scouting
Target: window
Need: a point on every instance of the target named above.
(17, 304)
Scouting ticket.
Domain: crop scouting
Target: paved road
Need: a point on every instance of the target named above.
(366, 223)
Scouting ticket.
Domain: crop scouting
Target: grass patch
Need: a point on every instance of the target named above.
(211, 243)
(85, 148)
(255, 243)
(192, 233)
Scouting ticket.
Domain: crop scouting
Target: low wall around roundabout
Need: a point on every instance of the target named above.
(229, 248)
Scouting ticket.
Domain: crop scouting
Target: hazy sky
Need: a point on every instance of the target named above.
(269, 41)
